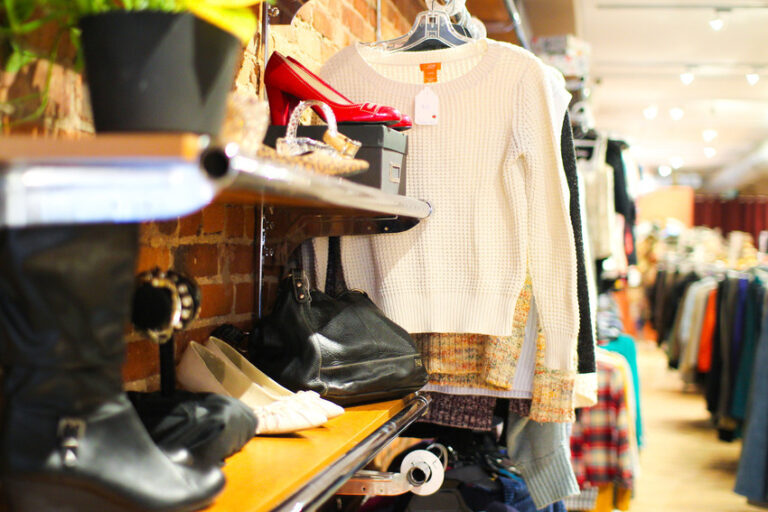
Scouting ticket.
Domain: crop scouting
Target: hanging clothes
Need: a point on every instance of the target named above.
(540, 452)
(704, 361)
(752, 475)
(690, 338)
(586, 335)
(752, 324)
(586, 381)
(625, 346)
(600, 441)
(624, 205)
(597, 177)
(586, 499)
(424, 279)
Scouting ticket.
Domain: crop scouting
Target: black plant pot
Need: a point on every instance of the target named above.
(157, 71)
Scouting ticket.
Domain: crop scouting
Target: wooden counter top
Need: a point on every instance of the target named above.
(269, 469)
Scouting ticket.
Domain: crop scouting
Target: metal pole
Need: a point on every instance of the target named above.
(517, 22)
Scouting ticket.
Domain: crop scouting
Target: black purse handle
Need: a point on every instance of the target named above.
(334, 273)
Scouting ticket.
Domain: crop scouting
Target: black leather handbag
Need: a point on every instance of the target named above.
(341, 346)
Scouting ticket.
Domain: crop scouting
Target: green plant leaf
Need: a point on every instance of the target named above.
(229, 4)
(241, 22)
(18, 59)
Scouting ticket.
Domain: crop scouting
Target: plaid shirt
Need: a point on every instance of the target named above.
(600, 449)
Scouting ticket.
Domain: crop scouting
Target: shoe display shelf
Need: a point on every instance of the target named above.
(129, 178)
(135, 178)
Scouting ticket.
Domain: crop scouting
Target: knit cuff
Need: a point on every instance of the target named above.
(502, 357)
(553, 396)
(585, 390)
(550, 478)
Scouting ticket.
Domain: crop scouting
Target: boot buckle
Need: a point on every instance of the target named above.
(70, 431)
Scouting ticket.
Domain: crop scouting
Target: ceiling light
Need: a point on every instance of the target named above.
(709, 135)
(650, 112)
(664, 171)
(676, 113)
(709, 152)
(687, 78)
(752, 78)
(676, 162)
(717, 22)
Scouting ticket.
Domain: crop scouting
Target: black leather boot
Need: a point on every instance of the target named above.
(70, 439)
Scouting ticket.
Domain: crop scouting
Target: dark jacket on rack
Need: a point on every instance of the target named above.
(624, 204)
(752, 476)
(586, 346)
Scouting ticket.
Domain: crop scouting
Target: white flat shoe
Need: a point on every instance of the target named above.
(201, 370)
(265, 382)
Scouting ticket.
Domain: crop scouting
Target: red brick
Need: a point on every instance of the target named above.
(387, 11)
(268, 296)
(141, 360)
(322, 22)
(244, 298)
(151, 257)
(249, 217)
(353, 22)
(191, 224)
(182, 339)
(241, 259)
(217, 300)
(214, 218)
(198, 260)
(402, 25)
(235, 221)
(306, 11)
(366, 11)
(168, 227)
(335, 8)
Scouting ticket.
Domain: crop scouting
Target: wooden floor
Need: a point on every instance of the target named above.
(684, 466)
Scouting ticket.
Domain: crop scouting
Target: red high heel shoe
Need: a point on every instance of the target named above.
(287, 82)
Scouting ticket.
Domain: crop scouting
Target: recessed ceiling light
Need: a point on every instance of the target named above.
(717, 21)
(650, 112)
(709, 135)
(676, 162)
(687, 78)
(752, 78)
(709, 152)
(664, 171)
(676, 113)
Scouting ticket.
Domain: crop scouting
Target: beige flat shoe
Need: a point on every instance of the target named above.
(201, 370)
(265, 382)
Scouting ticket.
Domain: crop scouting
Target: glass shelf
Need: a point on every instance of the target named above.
(134, 178)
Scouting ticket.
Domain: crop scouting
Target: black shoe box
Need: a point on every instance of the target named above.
(382, 147)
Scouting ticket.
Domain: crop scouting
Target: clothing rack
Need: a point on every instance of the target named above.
(517, 23)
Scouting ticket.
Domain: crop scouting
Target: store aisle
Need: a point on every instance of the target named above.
(684, 467)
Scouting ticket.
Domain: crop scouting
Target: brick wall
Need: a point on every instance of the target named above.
(216, 245)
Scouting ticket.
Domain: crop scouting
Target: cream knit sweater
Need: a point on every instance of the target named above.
(492, 171)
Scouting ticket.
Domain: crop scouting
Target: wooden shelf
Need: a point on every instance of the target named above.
(298, 472)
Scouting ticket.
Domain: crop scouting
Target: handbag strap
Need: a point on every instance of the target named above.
(334, 274)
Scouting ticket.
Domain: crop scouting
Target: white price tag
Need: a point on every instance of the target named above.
(426, 110)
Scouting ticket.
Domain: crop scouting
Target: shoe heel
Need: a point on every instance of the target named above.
(280, 105)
